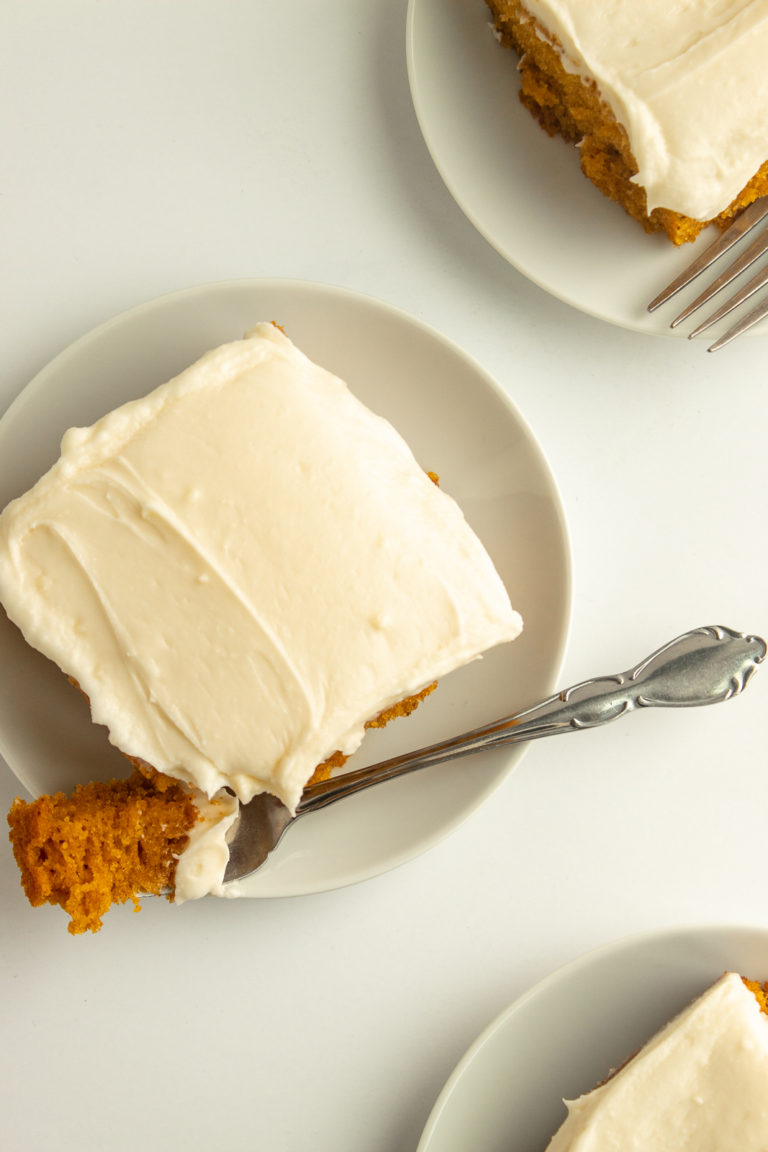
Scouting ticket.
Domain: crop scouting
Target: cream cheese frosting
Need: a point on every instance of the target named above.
(243, 567)
(689, 82)
(700, 1085)
(200, 867)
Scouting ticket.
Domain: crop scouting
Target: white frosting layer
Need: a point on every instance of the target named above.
(688, 80)
(700, 1085)
(201, 866)
(243, 567)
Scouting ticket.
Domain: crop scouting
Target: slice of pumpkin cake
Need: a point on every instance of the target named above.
(243, 570)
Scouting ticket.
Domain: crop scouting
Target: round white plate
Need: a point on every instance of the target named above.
(523, 190)
(564, 1036)
(458, 422)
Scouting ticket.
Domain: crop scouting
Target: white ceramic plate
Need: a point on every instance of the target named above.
(523, 190)
(563, 1037)
(458, 422)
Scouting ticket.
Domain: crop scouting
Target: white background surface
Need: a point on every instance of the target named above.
(148, 147)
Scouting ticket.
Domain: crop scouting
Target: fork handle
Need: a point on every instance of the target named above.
(700, 667)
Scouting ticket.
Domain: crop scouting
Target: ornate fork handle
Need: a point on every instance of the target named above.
(700, 667)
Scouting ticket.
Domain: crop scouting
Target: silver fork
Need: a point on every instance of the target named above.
(750, 218)
(703, 666)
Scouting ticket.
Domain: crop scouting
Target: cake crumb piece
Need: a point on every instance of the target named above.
(107, 843)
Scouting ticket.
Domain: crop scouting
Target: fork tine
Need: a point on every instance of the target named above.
(748, 257)
(757, 313)
(749, 289)
(743, 224)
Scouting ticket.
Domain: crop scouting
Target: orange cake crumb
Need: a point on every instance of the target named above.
(759, 991)
(105, 844)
